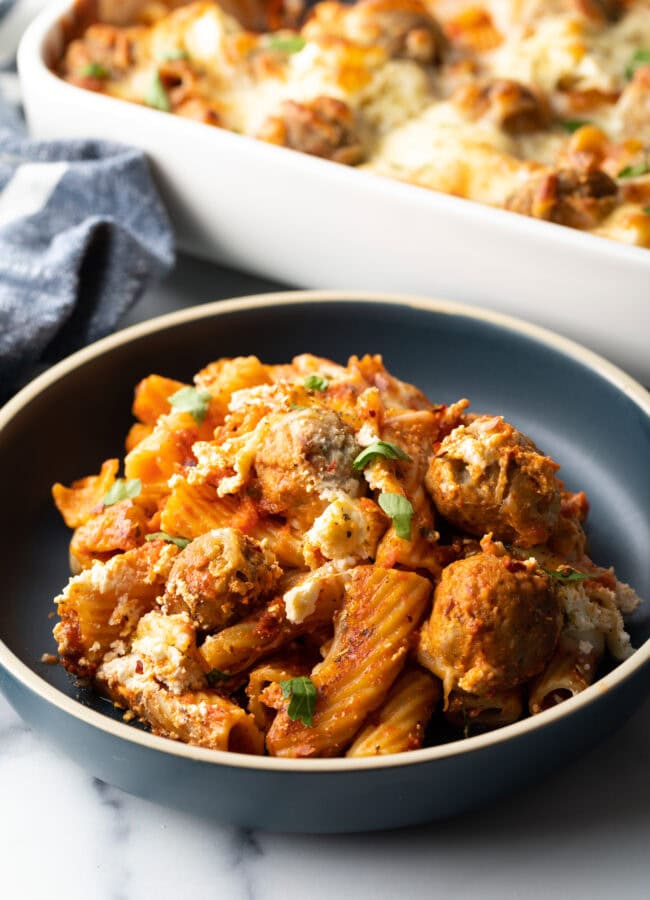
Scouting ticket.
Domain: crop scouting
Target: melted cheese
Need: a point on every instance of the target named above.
(566, 51)
(404, 118)
(443, 151)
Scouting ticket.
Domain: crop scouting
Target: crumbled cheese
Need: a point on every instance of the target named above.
(300, 601)
(367, 434)
(342, 532)
(595, 608)
(585, 647)
(270, 396)
(626, 597)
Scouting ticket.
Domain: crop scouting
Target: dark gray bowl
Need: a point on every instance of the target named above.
(590, 416)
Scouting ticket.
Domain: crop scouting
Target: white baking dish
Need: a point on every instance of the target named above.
(314, 223)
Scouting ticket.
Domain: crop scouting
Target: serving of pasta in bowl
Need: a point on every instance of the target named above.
(322, 549)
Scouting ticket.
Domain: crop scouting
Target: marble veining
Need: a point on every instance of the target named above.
(583, 833)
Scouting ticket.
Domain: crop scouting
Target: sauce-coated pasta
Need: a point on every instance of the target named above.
(314, 560)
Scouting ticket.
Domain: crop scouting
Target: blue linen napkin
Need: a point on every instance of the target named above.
(82, 235)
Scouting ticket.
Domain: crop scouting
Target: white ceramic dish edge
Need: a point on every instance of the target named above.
(245, 203)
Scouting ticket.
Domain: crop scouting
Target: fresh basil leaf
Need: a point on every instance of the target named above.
(94, 70)
(170, 538)
(639, 58)
(401, 512)
(379, 448)
(291, 43)
(315, 383)
(156, 96)
(572, 125)
(214, 676)
(634, 171)
(646, 210)
(122, 489)
(303, 696)
(566, 574)
(193, 401)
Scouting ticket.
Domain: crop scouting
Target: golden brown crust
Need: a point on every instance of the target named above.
(494, 625)
(512, 106)
(568, 197)
(489, 477)
(322, 127)
(403, 28)
(479, 102)
(220, 577)
(303, 453)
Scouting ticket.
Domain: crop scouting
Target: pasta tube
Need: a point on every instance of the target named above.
(399, 724)
(265, 631)
(487, 711)
(570, 671)
(382, 609)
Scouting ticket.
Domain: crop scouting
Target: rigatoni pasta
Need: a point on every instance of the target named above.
(315, 560)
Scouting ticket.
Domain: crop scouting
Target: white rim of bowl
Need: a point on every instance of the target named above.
(36, 684)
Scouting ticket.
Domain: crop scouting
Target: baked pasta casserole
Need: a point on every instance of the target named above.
(541, 107)
(312, 559)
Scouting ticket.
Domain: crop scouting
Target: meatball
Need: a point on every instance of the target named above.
(567, 196)
(323, 127)
(220, 577)
(489, 477)
(494, 625)
(103, 49)
(403, 28)
(600, 10)
(305, 453)
(513, 107)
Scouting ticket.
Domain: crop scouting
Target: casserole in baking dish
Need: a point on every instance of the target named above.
(301, 219)
(540, 108)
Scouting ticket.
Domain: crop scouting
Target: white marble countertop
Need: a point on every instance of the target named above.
(583, 833)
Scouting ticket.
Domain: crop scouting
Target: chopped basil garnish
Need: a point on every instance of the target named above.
(291, 43)
(572, 125)
(379, 448)
(122, 490)
(315, 383)
(215, 676)
(156, 96)
(401, 512)
(639, 58)
(634, 171)
(94, 70)
(193, 401)
(566, 574)
(170, 538)
(303, 696)
(646, 210)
